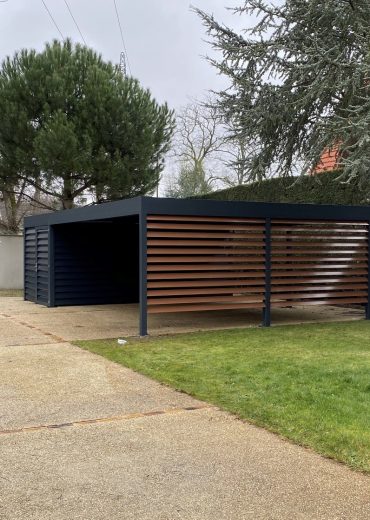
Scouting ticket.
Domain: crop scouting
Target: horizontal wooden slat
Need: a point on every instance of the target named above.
(350, 271)
(318, 295)
(200, 235)
(313, 244)
(226, 250)
(320, 280)
(204, 299)
(320, 252)
(195, 218)
(293, 229)
(243, 260)
(320, 223)
(279, 291)
(328, 301)
(319, 266)
(204, 267)
(215, 282)
(201, 290)
(196, 242)
(318, 236)
(200, 227)
(202, 307)
(201, 275)
(314, 257)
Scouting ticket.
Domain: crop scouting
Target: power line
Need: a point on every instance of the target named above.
(123, 40)
(52, 19)
(76, 24)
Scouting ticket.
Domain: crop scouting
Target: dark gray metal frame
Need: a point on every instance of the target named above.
(143, 206)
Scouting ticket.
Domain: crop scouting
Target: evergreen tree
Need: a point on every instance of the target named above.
(72, 124)
(299, 82)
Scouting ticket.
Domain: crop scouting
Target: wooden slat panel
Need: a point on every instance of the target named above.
(204, 263)
(322, 248)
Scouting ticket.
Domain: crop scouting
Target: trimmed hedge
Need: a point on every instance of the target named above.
(318, 189)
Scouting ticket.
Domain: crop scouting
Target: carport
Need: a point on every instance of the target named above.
(175, 256)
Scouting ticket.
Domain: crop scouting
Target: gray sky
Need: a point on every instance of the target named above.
(164, 39)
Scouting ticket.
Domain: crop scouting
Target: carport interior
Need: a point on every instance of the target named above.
(96, 262)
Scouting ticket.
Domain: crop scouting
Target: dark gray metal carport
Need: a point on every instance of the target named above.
(175, 255)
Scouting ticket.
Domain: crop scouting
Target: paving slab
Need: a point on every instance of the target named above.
(59, 383)
(14, 333)
(199, 465)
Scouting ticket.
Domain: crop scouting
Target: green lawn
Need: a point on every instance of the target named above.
(309, 383)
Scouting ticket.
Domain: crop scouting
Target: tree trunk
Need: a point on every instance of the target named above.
(11, 220)
(67, 196)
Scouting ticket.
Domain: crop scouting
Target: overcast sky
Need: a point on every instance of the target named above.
(164, 39)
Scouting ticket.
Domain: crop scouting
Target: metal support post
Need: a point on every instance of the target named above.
(143, 330)
(266, 315)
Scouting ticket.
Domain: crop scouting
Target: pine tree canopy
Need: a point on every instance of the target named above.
(72, 124)
(299, 82)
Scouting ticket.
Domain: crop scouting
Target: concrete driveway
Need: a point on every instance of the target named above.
(83, 438)
(113, 321)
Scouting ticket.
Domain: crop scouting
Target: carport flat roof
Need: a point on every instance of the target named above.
(202, 207)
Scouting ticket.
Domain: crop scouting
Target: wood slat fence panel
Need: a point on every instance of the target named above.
(312, 249)
(204, 263)
(216, 263)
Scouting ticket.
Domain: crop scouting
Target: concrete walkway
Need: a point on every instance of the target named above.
(83, 438)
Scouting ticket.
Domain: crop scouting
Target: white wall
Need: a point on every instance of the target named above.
(11, 262)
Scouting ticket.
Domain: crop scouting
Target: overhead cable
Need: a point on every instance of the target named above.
(123, 40)
(76, 24)
(52, 19)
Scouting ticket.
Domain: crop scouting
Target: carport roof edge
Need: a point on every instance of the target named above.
(203, 207)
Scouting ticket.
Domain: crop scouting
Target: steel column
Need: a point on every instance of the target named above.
(51, 296)
(266, 313)
(143, 327)
(367, 306)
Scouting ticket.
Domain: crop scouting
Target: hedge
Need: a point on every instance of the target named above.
(318, 189)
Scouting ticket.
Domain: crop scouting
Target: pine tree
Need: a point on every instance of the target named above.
(72, 124)
(299, 82)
